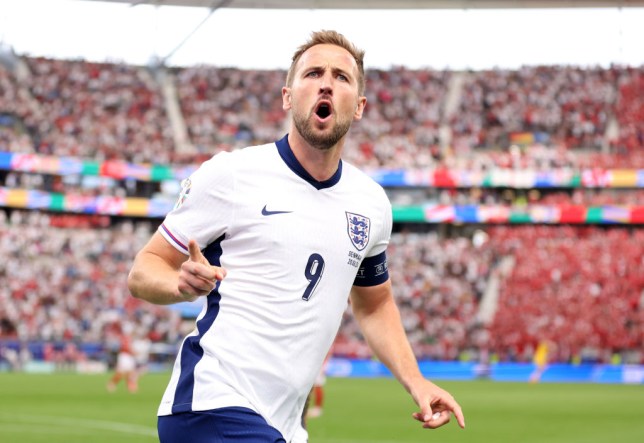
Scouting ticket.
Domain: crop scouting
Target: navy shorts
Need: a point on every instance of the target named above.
(239, 425)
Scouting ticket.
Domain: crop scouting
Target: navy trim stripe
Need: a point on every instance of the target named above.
(191, 350)
(173, 237)
(287, 155)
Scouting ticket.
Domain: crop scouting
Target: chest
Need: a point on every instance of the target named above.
(297, 221)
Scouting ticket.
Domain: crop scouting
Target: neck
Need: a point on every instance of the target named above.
(321, 164)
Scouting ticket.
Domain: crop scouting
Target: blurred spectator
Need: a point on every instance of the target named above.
(581, 287)
(67, 284)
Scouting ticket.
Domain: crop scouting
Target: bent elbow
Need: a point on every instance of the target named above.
(132, 284)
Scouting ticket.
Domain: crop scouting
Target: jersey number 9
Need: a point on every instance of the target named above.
(313, 273)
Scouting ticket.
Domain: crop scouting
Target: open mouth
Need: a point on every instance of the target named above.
(323, 110)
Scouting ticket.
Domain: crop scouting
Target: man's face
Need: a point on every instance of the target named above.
(323, 97)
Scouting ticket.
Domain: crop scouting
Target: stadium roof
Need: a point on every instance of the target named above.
(389, 4)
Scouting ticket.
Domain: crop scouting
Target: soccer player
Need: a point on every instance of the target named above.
(125, 367)
(278, 237)
(316, 396)
(540, 360)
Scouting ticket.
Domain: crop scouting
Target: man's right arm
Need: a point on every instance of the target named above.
(163, 275)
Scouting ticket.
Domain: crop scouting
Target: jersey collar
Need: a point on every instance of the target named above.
(287, 155)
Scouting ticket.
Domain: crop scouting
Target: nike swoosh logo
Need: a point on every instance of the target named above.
(267, 212)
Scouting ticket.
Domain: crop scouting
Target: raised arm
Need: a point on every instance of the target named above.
(163, 275)
(375, 310)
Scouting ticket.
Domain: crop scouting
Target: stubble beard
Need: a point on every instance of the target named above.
(322, 141)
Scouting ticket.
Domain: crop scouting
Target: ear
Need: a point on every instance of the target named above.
(362, 102)
(286, 98)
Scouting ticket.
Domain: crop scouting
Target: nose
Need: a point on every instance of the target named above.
(326, 90)
(326, 84)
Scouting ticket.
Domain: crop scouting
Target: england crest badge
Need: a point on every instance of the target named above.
(358, 228)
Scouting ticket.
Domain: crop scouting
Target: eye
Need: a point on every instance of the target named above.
(343, 77)
(313, 74)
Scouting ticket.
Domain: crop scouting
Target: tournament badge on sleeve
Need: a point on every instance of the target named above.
(358, 228)
(186, 185)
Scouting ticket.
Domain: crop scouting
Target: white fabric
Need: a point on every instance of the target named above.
(266, 345)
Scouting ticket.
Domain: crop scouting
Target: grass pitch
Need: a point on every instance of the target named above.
(69, 408)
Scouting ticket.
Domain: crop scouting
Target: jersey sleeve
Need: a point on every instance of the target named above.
(383, 233)
(205, 205)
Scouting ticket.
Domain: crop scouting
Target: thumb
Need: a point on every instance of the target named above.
(195, 252)
(427, 413)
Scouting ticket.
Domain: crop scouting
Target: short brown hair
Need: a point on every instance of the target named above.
(330, 38)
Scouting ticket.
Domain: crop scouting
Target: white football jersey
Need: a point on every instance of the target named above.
(293, 247)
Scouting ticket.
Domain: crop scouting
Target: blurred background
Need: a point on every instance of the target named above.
(509, 136)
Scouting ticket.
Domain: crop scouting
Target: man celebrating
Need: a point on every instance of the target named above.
(278, 237)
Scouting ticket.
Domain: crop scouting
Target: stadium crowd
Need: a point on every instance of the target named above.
(414, 118)
(570, 104)
(581, 288)
(65, 282)
(64, 277)
(438, 283)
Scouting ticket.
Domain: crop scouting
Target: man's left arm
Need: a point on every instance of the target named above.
(379, 319)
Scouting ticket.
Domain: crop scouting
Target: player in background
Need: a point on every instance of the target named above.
(317, 393)
(278, 237)
(126, 367)
(541, 358)
(142, 346)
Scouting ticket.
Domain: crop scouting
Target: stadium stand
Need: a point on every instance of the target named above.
(91, 155)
